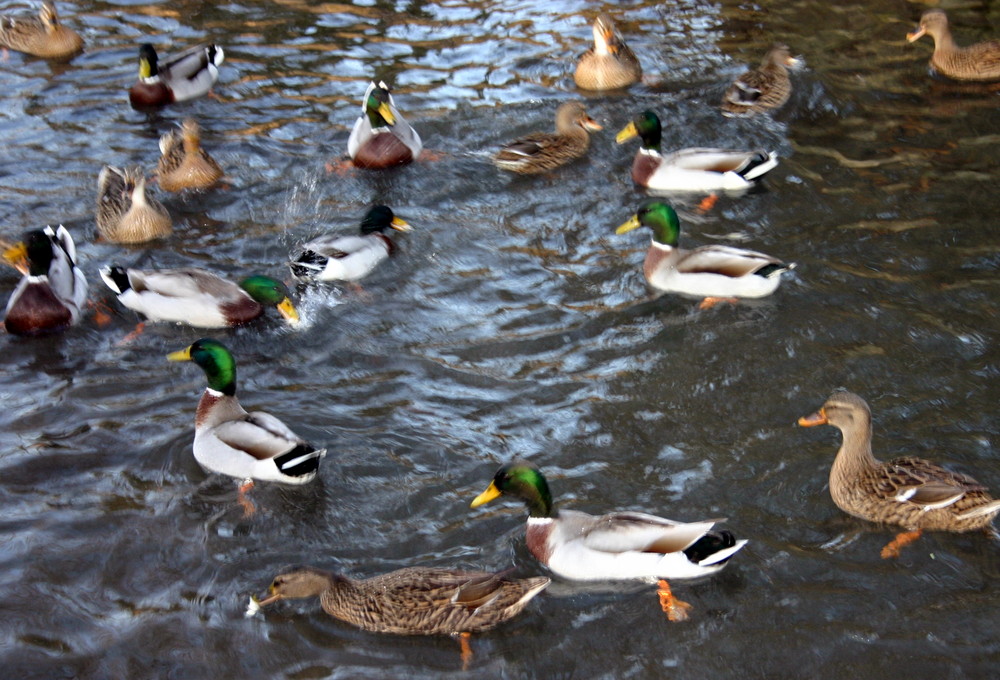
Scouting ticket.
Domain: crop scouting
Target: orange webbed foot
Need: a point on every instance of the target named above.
(676, 610)
(710, 302)
(136, 332)
(340, 168)
(248, 507)
(892, 548)
(463, 640)
(708, 203)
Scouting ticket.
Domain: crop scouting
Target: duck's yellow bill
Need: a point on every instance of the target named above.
(818, 418)
(386, 113)
(632, 223)
(626, 133)
(180, 355)
(485, 497)
(287, 310)
(400, 225)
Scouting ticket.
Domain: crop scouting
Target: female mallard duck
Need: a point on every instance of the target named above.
(196, 297)
(975, 62)
(184, 164)
(189, 75)
(909, 492)
(710, 271)
(541, 151)
(609, 64)
(763, 88)
(124, 213)
(43, 37)
(616, 546)
(336, 257)
(52, 293)
(230, 441)
(381, 137)
(690, 169)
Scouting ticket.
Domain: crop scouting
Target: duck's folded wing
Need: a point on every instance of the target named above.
(183, 283)
(625, 531)
(259, 434)
(723, 260)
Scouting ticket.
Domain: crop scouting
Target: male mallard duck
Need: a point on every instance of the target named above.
(910, 492)
(609, 64)
(184, 164)
(690, 169)
(189, 75)
(124, 213)
(713, 271)
(616, 546)
(763, 88)
(381, 137)
(975, 62)
(52, 293)
(230, 441)
(541, 151)
(196, 297)
(43, 37)
(335, 257)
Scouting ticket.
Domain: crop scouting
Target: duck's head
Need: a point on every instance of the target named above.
(34, 254)
(572, 114)
(523, 480)
(844, 410)
(934, 22)
(646, 126)
(379, 218)
(658, 216)
(378, 105)
(215, 360)
(781, 55)
(303, 582)
(268, 291)
(147, 61)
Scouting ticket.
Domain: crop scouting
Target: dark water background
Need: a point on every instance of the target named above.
(512, 323)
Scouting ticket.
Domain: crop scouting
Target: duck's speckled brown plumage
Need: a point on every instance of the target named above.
(124, 213)
(541, 151)
(609, 64)
(184, 164)
(975, 62)
(766, 87)
(43, 36)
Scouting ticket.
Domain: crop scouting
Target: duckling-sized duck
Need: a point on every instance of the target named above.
(184, 164)
(44, 37)
(381, 137)
(125, 214)
(909, 492)
(196, 297)
(609, 64)
(542, 151)
(763, 88)
(691, 169)
(615, 546)
(975, 62)
(336, 257)
(52, 293)
(710, 272)
(186, 76)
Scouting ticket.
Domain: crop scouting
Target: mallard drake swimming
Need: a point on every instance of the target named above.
(763, 88)
(691, 169)
(713, 271)
(196, 297)
(381, 137)
(184, 164)
(609, 64)
(909, 492)
(541, 151)
(975, 62)
(336, 257)
(615, 546)
(125, 214)
(187, 76)
(52, 293)
(44, 37)
(230, 441)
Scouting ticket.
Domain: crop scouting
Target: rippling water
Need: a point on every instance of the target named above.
(512, 323)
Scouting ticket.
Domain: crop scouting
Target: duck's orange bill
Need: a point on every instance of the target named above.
(818, 418)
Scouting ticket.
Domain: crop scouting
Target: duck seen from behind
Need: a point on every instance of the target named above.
(976, 62)
(542, 151)
(184, 164)
(609, 64)
(763, 88)
(125, 214)
(44, 36)
(381, 137)
(186, 76)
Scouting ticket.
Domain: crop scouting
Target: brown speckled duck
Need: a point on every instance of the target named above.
(908, 492)
(124, 213)
(975, 62)
(184, 164)
(42, 37)
(609, 64)
(541, 151)
(763, 88)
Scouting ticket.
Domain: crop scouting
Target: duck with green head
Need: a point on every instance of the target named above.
(189, 75)
(381, 137)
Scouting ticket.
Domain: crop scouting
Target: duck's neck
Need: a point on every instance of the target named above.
(214, 408)
(943, 42)
(855, 455)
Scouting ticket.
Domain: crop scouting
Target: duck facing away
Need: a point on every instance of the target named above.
(44, 36)
(125, 214)
(975, 62)
(615, 546)
(184, 164)
(909, 492)
(763, 88)
(381, 137)
(51, 295)
(542, 151)
(187, 76)
(696, 169)
(609, 64)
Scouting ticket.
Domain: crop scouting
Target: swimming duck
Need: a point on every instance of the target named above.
(694, 169)
(196, 297)
(52, 293)
(615, 546)
(713, 271)
(184, 164)
(541, 151)
(975, 62)
(43, 37)
(125, 214)
(187, 76)
(381, 137)
(336, 257)
(230, 441)
(763, 88)
(909, 492)
(609, 64)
